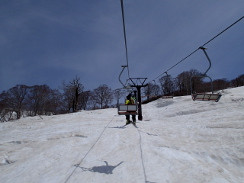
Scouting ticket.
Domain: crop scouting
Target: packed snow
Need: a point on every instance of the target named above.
(178, 140)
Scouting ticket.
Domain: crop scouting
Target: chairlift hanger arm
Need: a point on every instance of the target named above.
(210, 64)
(123, 66)
(125, 39)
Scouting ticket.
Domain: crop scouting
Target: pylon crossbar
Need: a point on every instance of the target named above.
(138, 82)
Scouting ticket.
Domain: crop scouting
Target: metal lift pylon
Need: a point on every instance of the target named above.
(138, 83)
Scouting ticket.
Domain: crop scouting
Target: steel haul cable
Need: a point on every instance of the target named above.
(142, 160)
(177, 63)
(125, 40)
(199, 47)
(222, 31)
(67, 179)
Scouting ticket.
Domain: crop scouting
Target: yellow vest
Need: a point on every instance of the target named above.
(131, 101)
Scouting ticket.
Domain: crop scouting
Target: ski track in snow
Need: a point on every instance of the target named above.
(179, 140)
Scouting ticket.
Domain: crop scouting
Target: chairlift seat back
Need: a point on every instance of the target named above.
(206, 97)
(130, 109)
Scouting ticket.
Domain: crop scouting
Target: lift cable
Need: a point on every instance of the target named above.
(222, 31)
(80, 162)
(126, 50)
(142, 159)
(199, 48)
(165, 72)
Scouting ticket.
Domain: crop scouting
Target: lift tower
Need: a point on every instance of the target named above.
(138, 83)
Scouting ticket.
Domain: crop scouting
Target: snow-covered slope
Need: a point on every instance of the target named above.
(179, 140)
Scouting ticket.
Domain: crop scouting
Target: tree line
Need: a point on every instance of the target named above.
(23, 100)
(186, 82)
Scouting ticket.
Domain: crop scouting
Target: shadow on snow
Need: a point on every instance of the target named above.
(107, 169)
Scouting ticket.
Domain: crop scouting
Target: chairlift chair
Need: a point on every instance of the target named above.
(205, 96)
(124, 109)
(127, 109)
(167, 96)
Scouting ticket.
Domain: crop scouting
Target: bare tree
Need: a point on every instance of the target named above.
(33, 100)
(83, 99)
(183, 81)
(38, 98)
(16, 97)
(239, 81)
(152, 90)
(103, 96)
(3, 100)
(92, 102)
(72, 92)
(220, 84)
(167, 84)
(53, 103)
(6, 112)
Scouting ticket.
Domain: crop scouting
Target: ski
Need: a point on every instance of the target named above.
(134, 124)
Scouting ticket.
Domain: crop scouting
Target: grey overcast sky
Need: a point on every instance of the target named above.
(48, 42)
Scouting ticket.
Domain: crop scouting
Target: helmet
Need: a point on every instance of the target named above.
(128, 96)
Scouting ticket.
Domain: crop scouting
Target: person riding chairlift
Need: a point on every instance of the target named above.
(130, 100)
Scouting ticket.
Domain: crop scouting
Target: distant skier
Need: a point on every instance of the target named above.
(130, 100)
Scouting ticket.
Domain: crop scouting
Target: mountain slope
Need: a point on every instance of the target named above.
(179, 140)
